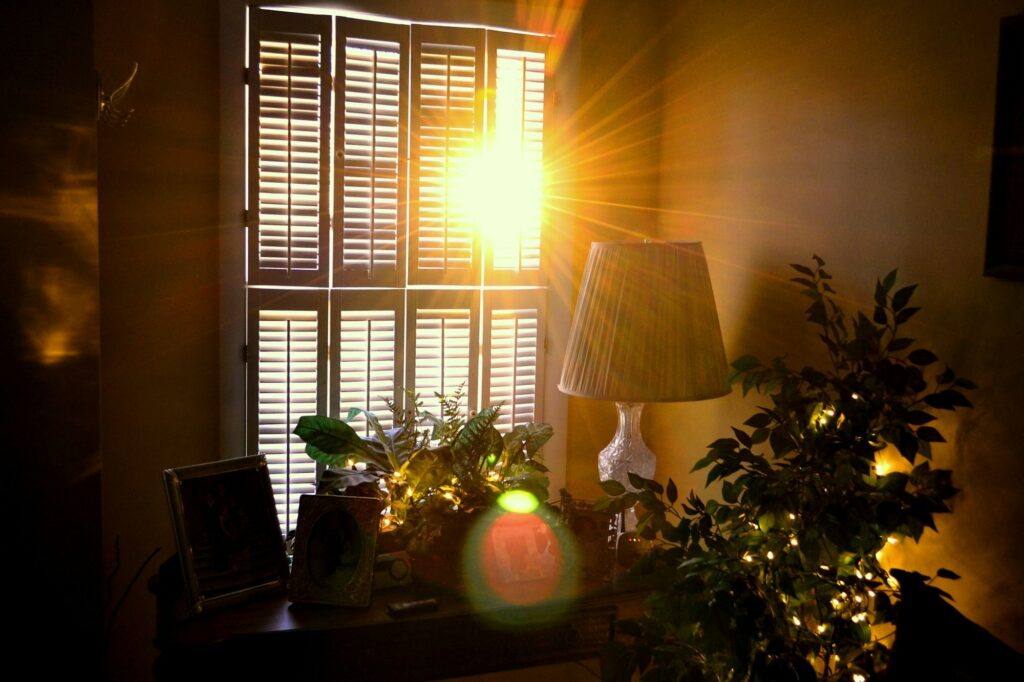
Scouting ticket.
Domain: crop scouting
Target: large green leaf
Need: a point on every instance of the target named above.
(528, 437)
(332, 441)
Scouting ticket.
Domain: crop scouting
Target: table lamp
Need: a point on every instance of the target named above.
(645, 330)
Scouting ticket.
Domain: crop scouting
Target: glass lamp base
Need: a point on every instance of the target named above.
(627, 451)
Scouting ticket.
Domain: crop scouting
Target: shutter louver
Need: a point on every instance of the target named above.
(366, 365)
(290, 105)
(519, 130)
(448, 79)
(442, 354)
(512, 379)
(287, 389)
(371, 174)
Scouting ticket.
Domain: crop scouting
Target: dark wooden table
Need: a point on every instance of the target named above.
(269, 637)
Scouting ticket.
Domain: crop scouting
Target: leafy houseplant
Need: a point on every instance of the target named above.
(430, 469)
(780, 579)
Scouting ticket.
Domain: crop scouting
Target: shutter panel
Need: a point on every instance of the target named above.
(513, 356)
(443, 355)
(367, 357)
(371, 148)
(289, 155)
(287, 353)
(517, 75)
(448, 72)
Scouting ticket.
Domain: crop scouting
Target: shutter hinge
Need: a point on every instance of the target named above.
(245, 217)
(245, 75)
(245, 353)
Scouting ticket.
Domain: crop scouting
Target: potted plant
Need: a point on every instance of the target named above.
(780, 578)
(434, 472)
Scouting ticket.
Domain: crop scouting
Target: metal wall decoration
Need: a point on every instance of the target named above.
(111, 110)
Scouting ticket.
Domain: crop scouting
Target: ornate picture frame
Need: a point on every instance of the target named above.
(227, 531)
(335, 548)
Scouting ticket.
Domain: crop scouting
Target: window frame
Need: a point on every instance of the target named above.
(560, 94)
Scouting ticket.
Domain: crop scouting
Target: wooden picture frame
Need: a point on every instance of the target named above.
(335, 548)
(1004, 246)
(227, 531)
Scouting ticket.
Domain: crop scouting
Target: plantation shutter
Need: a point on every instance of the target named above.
(289, 167)
(287, 352)
(512, 369)
(372, 68)
(443, 352)
(447, 118)
(516, 67)
(366, 357)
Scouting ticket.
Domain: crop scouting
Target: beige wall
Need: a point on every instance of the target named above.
(860, 131)
(158, 286)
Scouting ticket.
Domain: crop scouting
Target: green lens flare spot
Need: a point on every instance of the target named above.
(518, 502)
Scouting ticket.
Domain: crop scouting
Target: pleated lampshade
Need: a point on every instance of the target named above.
(645, 328)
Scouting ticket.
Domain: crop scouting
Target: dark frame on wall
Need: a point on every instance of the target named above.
(1004, 248)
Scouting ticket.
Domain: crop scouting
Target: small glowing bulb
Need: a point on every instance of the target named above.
(793, 542)
(859, 574)
(869, 576)
(836, 604)
(857, 598)
(449, 496)
(359, 466)
(792, 516)
(871, 593)
(455, 481)
(821, 628)
(882, 468)
(748, 558)
(855, 396)
(796, 621)
(857, 677)
(770, 555)
(830, 412)
(891, 540)
(408, 492)
(824, 567)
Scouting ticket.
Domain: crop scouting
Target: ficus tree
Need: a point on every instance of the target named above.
(779, 578)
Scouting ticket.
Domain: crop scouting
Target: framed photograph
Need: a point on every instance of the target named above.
(1004, 248)
(227, 531)
(335, 547)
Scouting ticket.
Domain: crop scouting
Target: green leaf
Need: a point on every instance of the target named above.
(332, 441)
(478, 438)
(612, 487)
(745, 363)
(902, 297)
(530, 437)
(922, 357)
(918, 417)
(802, 269)
(927, 433)
(905, 314)
(889, 281)
(900, 344)
(947, 400)
(759, 421)
(743, 437)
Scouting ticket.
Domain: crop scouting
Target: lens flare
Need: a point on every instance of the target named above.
(518, 502)
(520, 559)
